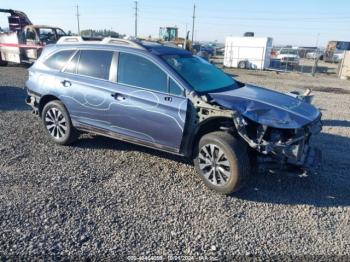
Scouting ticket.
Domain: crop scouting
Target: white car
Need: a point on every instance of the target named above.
(314, 54)
(288, 56)
(338, 56)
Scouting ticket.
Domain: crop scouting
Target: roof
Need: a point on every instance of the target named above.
(161, 49)
(152, 47)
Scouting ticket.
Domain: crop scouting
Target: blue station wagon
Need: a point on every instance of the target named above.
(168, 99)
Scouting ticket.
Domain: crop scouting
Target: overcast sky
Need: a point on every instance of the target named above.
(288, 22)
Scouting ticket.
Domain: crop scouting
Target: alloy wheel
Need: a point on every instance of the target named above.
(214, 165)
(56, 123)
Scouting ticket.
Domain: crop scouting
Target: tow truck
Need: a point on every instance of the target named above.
(23, 42)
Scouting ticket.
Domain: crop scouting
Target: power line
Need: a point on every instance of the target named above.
(78, 15)
(136, 11)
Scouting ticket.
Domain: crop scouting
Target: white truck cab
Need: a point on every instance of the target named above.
(24, 41)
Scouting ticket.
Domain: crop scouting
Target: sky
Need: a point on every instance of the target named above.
(305, 23)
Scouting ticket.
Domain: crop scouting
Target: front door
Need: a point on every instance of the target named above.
(144, 108)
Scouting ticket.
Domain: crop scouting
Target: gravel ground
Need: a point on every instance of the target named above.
(102, 197)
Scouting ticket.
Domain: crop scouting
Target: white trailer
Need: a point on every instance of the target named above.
(248, 52)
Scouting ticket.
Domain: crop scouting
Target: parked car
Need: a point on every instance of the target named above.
(288, 56)
(337, 56)
(198, 48)
(316, 54)
(167, 99)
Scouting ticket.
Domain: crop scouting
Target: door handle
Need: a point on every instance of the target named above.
(118, 96)
(168, 98)
(66, 83)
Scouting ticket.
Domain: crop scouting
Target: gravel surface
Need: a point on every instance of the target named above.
(101, 197)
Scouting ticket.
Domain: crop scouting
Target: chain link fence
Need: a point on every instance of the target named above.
(306, 60)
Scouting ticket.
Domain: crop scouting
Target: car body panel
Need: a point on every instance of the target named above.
(268, 107)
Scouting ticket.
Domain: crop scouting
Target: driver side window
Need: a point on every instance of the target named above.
(137, 71)
(140, 72)
(174, 88)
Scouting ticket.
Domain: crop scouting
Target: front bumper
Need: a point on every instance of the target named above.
(299, 152)
(292, 150)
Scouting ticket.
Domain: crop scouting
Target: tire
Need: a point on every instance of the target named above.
(242, 65)
(232, 166)
(58, 124)
(3, 63)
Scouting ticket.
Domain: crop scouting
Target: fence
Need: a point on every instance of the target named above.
(310, 61)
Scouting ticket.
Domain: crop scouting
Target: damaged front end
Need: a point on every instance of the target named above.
(287, 146)
(276, 125)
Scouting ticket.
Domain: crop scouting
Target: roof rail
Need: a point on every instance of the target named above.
(106, 40)
(123, 42)
(70, 39)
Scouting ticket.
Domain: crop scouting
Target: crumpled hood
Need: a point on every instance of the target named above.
(267, 107)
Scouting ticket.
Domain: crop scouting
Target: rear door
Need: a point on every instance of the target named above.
(86, 89)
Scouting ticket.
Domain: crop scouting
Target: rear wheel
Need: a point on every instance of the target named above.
(242, 65)
(3, 63)
(222, 162)
(58, 124)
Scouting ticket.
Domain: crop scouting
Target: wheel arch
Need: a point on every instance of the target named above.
(209, 125)
(44, 100)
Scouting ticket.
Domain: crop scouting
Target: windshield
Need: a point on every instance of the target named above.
(200, 74)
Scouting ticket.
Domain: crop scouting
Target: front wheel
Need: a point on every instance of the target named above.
(58, 124)
(222, 162)
(3, 63)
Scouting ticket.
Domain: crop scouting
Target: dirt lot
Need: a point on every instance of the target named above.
(102, 197)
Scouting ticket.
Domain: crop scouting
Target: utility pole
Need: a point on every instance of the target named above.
(136, 11)
(193, 18)
(78, 15)
(186, 38)
(314, 68)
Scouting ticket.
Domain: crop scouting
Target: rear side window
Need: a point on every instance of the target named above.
(58, 60)
(73, 64)
(95, 63)
(140, 72)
